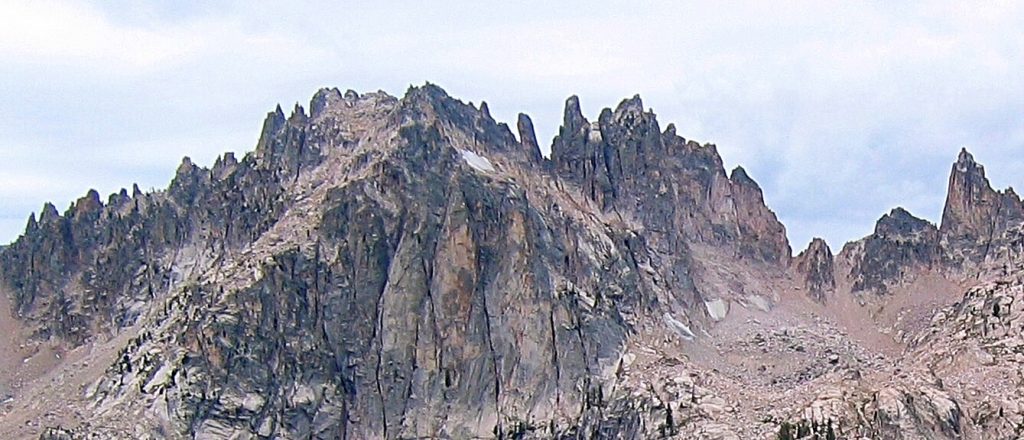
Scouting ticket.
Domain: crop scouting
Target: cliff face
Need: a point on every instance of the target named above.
(975, 215)
(408, 268)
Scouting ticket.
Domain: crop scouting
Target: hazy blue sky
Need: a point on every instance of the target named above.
(840, 111)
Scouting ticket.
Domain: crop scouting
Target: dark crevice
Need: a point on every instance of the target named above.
(494, 361)
(412, 371)
(378, 338)
(991, 234)
(554, 354)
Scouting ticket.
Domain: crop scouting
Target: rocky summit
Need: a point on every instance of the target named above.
(399, 268)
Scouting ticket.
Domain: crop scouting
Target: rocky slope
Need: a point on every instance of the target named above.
(388, 267)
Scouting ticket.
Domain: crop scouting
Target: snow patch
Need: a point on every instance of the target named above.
(161, 378)
(679, 327)
(594, 136)
(477, 161)
(627, 360)
(583, 295)
(717, 309)
(759, 302)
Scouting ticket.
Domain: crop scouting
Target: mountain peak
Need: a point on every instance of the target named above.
(324, 99)
(899, 221)
(88, 204)
(816, 266)
(32, 224)
(965, 157)
(528, 137)
(428, 91)
(48, 214)
(572, 116)
(629, 107)
(186, 167)
(971, 204)
(670, 130)
(739, 175)
(298, 115)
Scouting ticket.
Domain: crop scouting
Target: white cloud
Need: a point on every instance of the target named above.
(80, 36)
(71, 34)
(840, 110)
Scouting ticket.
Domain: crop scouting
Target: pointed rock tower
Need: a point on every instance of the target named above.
(817, 268)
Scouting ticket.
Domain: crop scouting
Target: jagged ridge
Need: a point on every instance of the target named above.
(361, 274)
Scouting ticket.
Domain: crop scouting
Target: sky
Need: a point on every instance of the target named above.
(840, 110)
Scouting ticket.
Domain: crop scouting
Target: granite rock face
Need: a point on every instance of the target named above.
(385, 267)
